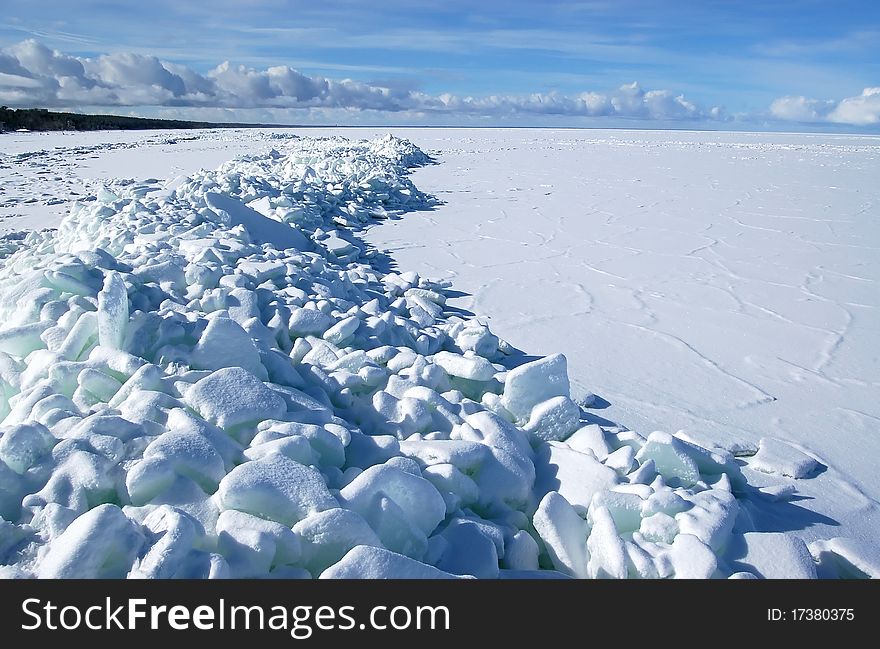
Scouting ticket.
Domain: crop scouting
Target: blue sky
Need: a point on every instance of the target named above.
(807, 62)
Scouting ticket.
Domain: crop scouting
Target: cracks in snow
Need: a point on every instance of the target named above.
(301, 412)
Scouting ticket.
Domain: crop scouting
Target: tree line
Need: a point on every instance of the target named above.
(40, 119)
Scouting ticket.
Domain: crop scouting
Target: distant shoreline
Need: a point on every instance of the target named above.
(44, 120)
(39, 119)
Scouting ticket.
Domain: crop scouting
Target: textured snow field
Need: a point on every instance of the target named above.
(723, 284)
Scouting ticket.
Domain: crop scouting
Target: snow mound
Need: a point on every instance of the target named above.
(214, 371)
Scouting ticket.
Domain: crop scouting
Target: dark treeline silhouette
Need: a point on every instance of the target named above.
(39, 119)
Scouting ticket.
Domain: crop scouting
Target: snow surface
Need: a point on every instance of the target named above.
(179, 365)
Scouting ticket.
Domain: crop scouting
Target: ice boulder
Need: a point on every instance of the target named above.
(589, 438)
(112, 311)
(23, 445)
(534, 382)
(670, 457)
(100, 544)
(276, 488)
(225, 344)
(328, 535)
(553, 420)
(253, 546)
(190, 455)
(846, 558)
(233, 396)
(775, 456)
(607, 553)
(691, 558)
(260, 228)
(417, 498)
(564, 534)
(576, 476)
(521, 552)
(467, 366)
(367, 562)
(171, 537)
(773, 555)
(468, 551)
(308, 322)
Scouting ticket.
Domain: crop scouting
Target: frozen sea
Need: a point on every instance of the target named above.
(723, 284)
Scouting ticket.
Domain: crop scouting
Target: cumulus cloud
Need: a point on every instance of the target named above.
(862, 110)
(32, 74)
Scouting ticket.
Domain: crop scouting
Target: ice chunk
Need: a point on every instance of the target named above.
(366, 450)
(21, 341)
(521, 552)
(468, 551)
(397, 531)
(772, 555)
(775, 456)
(589, 438)
(531, 383)
(184, 421)
(691, 558)
(337, 245)
(327, 447)
(639, 563)
(327, 536)
(468, 456)
(458, 489)
(242, 305)
(342, 330)
(474, 368)
(659, 527)
(607, 553)
(22, 445)
(81, 338)
(847, 558)
(99, 384)
(367, 562)
(233, 396)
(295, 447)
(308, 322)
(625, 508)
(670, 458)
(711, 519)
(112, 311)
(12, 489)
(148, 478)
(253, 546)
(225, 344)
(478, 338)
(576, 476)
(553, 420)
(276, 488)
(173, 536)
(417, 498)
(121, 364)
(100, 544)
(508, 475)
(260, 228)
(564, 534)
(191, 455)
(621, 460)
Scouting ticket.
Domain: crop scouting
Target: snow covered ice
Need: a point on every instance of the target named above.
(215, 376)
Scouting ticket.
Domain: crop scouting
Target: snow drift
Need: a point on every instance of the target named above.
(211, 377)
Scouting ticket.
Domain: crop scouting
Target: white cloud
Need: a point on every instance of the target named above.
(32, 74)
(800, 109)
(862, 110)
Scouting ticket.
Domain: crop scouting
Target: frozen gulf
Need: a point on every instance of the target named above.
(719, 284)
